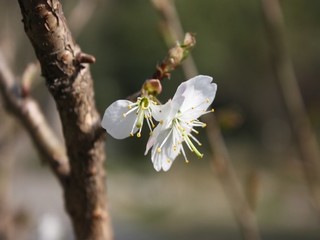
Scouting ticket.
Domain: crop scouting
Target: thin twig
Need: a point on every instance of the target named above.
(306, 142)
(221, 161)
(27, 111)
(172, 30)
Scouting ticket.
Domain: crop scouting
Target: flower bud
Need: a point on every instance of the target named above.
(152, 87)
(189, 40)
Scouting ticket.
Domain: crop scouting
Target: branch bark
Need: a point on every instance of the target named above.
(68, 78)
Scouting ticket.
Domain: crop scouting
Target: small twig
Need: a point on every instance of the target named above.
(30, 115)
(305, 138)
(220, 161)
(172, 30)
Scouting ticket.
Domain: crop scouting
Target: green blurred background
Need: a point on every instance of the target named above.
(187, 202)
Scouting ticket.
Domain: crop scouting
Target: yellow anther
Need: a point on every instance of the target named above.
(158, 150)
(168, 160)
(187, 161)
(138, 134)
(131, 135)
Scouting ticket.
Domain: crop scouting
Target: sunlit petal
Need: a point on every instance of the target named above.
(114, 121)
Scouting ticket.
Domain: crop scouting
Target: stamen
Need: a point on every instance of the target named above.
(194, 139)
(184, 154)
(191, 146)
(130, 111)
(197, 123)
(166, 138)
(195, 131)
(140, 117)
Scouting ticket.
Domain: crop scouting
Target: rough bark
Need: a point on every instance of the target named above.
(69, 80)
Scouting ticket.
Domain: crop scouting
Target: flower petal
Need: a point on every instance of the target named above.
(114, 121)
(160, 112)
(199, 93)
(153, 137)
(163, 157)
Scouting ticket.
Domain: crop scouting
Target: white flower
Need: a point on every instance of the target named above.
(124, 118)
(177, 119)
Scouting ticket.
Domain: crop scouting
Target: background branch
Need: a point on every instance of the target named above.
(306, 142)
(221, 163)
(80, 15)
(27, 111)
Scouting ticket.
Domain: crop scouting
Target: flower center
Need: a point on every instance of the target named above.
(144, 103)
(143, 111)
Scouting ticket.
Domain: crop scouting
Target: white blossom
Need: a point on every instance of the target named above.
(177, 119)
(124, 118)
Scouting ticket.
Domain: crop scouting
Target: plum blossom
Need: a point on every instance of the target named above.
(177, 120)
(124, 118)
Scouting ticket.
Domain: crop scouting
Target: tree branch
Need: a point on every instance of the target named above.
(303, 133)
(28, 112)
(69, 81)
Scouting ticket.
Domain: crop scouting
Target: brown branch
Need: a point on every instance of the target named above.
(221, 163)
(305, 138)
(223, 167)
(172, 30)
(27, 111)
(70, 82)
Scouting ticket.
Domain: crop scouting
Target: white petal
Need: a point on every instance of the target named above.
(115, 123)
(164, 115)
(153, 137)
(160, 112)
(164, 159)
(199, 93)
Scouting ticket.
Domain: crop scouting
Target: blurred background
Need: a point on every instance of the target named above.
(187, 202)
